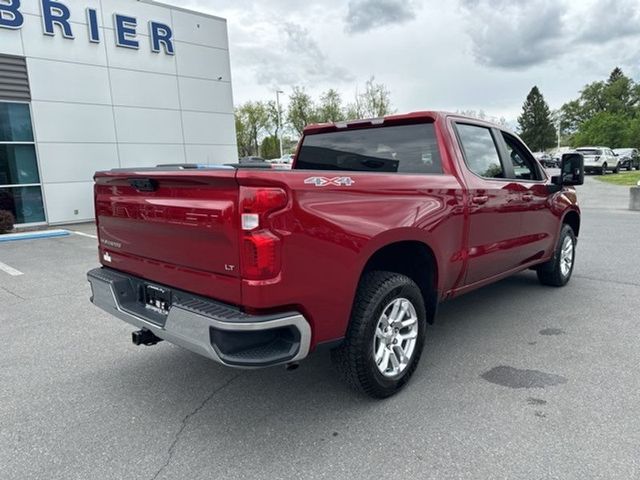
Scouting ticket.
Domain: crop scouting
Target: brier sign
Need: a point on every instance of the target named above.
(56, 17)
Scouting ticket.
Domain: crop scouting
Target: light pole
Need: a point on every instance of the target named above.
(278, 92)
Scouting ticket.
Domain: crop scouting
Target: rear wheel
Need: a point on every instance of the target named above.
(617, 169)
(630, 167)
(385, 337)
(557, 271)
(603, 170)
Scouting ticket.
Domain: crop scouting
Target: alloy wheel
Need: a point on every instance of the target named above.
(566, 256)
(395, 338)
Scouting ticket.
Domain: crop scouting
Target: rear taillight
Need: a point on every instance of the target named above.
(261, 258)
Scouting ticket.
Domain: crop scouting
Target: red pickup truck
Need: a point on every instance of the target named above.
(353, 249)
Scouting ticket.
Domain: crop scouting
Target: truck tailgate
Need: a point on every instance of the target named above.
(178, 228)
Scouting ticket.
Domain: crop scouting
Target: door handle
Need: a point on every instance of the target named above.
(480, 199)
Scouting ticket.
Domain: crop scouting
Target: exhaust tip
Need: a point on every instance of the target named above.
(290, 367)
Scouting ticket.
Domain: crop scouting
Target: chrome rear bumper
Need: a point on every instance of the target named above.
(212, 329)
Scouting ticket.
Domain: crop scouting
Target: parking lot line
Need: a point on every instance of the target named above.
(10, 270)
(82, 234)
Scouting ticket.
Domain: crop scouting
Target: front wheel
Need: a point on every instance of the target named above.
(386, 335)
(557, 271)
(617, 169)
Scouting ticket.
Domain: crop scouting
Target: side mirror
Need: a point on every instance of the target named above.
(571, 170)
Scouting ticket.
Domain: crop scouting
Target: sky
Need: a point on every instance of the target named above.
(432, 55)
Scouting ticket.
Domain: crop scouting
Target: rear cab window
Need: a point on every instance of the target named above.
(409, 149)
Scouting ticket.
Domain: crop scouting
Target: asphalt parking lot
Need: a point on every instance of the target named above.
(517, 381)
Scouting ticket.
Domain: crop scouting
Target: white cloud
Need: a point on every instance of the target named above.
(459, 55)
(365, 15)
(510, 34)
(287, 56)
(610, 19)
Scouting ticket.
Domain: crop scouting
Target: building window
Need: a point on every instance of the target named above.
(20, 188)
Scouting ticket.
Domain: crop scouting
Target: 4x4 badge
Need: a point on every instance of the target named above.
(324, 181)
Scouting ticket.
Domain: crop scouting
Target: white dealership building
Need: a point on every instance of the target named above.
(89, 85)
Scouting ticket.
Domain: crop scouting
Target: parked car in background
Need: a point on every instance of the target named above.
(286, 159)
(558, 152)
(250, 160)
(629, 158)
(547, 160)
(599, 160)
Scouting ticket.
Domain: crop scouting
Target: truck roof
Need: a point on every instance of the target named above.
(419, 116)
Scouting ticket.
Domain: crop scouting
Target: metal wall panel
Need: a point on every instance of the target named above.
(14, 81)
(97, 106)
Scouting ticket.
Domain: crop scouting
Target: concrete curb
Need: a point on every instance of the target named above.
(634, 198)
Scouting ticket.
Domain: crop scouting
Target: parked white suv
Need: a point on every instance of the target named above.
(599, 159)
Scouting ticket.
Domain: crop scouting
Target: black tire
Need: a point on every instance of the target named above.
(630, 167)
(603, 170)
(550, 273)
(355, 359)
(617, 169)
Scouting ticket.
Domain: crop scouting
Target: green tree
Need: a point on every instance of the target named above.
(252, 119)
(374, 102)
(302, 110)
(272, 127)
(618, 96)
(571, 117)
(243, 139)
(615, 75)
(330, 109)
(536, 128)
(632, 133)
(270, 147)
(604, 128)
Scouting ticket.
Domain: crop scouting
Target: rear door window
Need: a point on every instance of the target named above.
(480, 151)
(388, 149)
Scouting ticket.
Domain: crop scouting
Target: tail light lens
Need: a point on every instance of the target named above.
(261, 257)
